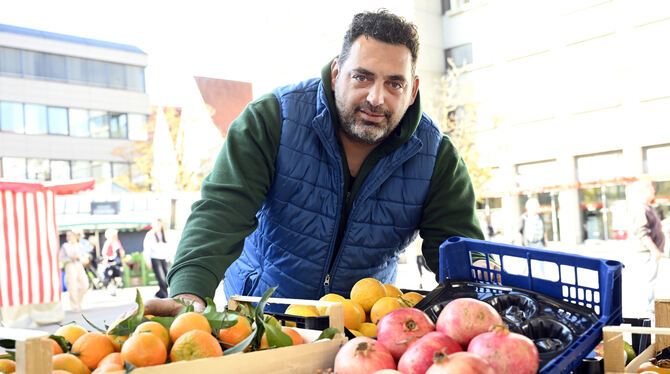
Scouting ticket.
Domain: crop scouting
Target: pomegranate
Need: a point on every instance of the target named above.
(507, 352)
(363, 355)
(459, 363)
(464, 318)
(401, 328)
(418, 357)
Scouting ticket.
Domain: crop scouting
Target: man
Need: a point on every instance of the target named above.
(326, 182)
(531, 227)
(647, 230)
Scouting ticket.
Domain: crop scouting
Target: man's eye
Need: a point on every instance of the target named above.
(396, 85)
(360, 78)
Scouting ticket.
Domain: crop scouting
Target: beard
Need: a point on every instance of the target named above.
(360, 130)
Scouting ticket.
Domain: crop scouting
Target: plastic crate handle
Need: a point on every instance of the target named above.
(336, 318)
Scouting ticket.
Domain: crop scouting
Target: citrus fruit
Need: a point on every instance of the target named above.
(7, 365)
(69, 363)
(236, 333)
(116, 340)
(392, 290)
(108, 368)
(91, 348)
(71, 332)
(112, 358)
(383, 306)
(352, 316)
(367, 291)
(301, 310)
(144, 350)
(368, 329)
(329, 297)
(193, 345)
(155, 328)
(361, 311)
(57, 348)
(411, 298)
(295, 336)
(356, 333)
(187, 322)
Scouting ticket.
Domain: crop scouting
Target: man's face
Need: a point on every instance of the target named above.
(373, 89)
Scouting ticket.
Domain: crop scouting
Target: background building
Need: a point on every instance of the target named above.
(572, 101)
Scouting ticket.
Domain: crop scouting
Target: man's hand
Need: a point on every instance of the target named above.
(168, 307)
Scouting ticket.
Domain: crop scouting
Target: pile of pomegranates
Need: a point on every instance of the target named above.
(468, 337)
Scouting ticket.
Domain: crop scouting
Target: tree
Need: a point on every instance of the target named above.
(140, 154)
(455, 111)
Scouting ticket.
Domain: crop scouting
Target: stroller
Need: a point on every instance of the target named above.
(101, 276)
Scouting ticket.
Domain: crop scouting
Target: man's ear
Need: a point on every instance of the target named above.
(415, 89)
(334, 71)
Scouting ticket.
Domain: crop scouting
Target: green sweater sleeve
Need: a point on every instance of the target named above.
(449, 209)
(231, 195)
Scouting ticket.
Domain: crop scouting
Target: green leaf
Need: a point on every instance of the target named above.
(188, 307)
(329, 333)
(219, 320)
(263, 301)
(10, 355)
(64, 344)
(165, 321)
(276, 337)
(128, 325)
(272, 320)
(92, 325)
(241, 346)
(7, 343)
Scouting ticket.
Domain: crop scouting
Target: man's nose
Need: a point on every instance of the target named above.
(376, 94)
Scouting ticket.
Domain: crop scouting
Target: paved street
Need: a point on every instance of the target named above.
(101, 308)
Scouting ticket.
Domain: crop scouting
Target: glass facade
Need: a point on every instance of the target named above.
(98, 124)
(57, 119)
(40, 65)
(79, 122)
(35, 119)
(14, 167)
(11, 117)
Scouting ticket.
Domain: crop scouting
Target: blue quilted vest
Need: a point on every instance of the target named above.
(293, 246)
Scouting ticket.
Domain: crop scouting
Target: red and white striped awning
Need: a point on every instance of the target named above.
(29, 245)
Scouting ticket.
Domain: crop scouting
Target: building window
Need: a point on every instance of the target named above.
(56, 67)
(76, 70)
(57, 118)
(118, 125)
(120, 169)
(657, 160)
(97, 73)
(98, 124)
(35, 119)
(60, 170)
(81, 169)
(101, 169)
(38, 169)
(446, 5)
(117, 75)
(137, 127)
(135, 78)
(11, 117)
(459, 55)
(14, 168)
(78, 119)
(10, 61)
(34, 65)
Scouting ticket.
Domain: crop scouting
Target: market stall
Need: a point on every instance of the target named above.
(29, 269)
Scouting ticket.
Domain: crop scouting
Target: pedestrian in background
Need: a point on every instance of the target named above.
(156, 253)
(112, 253)
(531, 227)
(73, 255)
(646, 230)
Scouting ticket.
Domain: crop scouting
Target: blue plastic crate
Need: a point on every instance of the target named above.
(587, 281)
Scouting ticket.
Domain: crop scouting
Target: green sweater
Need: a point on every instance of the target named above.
(231, 195)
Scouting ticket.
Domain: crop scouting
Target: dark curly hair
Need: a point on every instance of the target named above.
(385, 27)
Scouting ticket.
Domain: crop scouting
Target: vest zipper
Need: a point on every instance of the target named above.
(327, 281)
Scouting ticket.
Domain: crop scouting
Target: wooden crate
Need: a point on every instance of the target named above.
(33, 354)
(613, 341)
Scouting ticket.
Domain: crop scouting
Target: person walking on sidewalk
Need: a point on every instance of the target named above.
(531, 227)
(155, 255)
(647, 232)
(73, 255)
